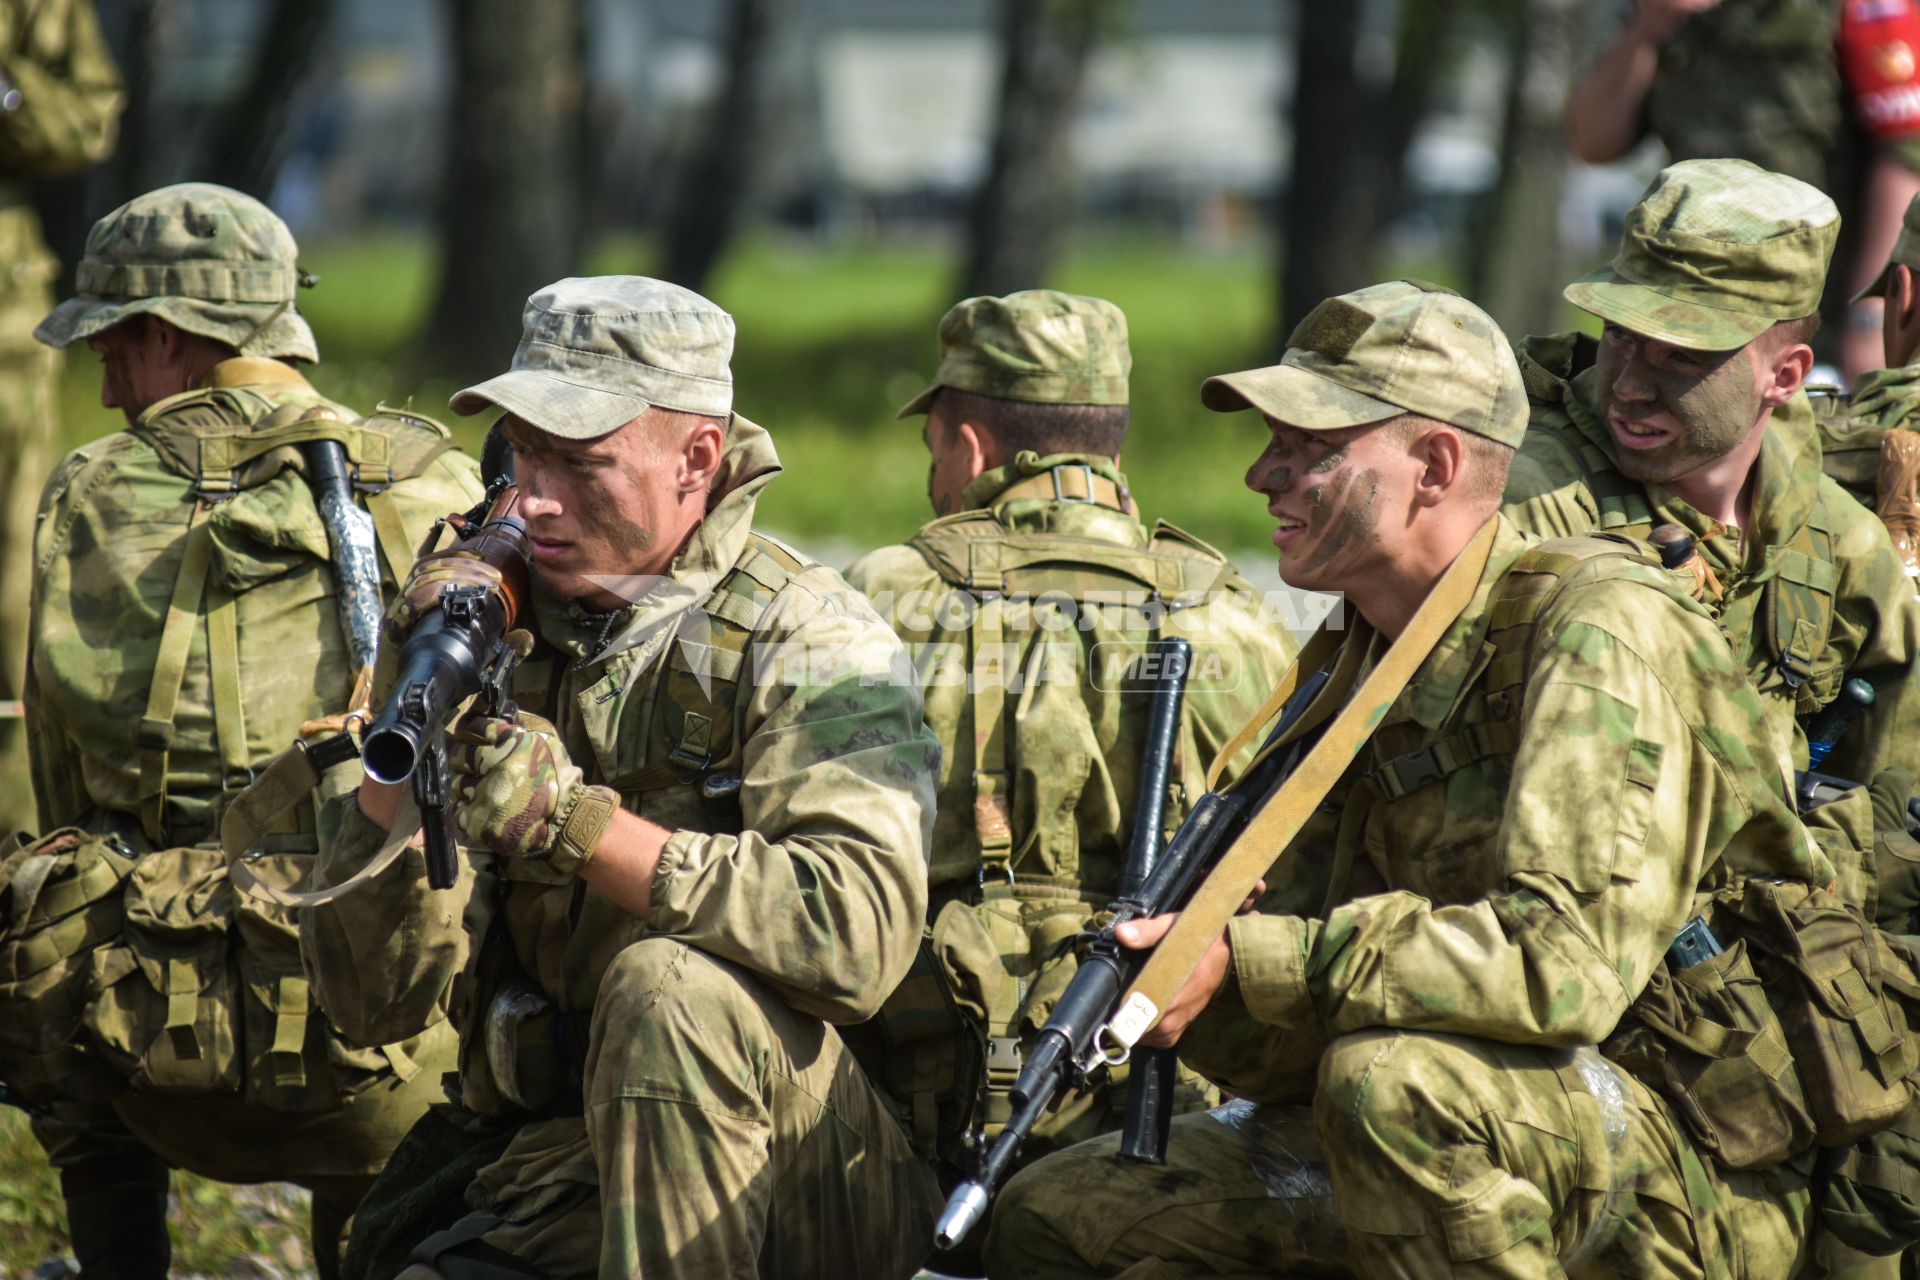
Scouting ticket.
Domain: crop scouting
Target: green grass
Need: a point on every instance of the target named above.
(217, 1230)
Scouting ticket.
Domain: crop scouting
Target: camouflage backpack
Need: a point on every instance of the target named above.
(1035, 626)
(182, 984)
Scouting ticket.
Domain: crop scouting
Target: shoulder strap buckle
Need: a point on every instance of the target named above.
(1086, 494)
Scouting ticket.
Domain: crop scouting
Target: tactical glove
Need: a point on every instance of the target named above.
(517, 793)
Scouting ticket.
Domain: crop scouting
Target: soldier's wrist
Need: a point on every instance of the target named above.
(579, 827)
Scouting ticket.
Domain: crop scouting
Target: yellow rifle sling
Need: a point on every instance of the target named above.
(1273, 828)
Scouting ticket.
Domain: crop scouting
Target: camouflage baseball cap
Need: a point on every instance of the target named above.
(1906, 252)
(202, 257)
(597, 351)
(1039, 345)
(1402, 347)
(1715, 253)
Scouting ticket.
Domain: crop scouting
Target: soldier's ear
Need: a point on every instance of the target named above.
(1441, 455)
(977, 449)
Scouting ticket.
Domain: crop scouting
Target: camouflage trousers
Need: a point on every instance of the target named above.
(725, 1133)
(113, 1159)
(1445, 1155)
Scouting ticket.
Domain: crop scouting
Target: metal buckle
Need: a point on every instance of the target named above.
(1085, 470)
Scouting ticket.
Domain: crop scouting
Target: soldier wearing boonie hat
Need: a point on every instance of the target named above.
(183, 570)
(1398, 988)
(1690, 413)
(206, 259)
(672, 1101)
(1024, 421)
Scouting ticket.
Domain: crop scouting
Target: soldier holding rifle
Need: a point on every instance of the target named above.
(1412, 1020)
(707, 836)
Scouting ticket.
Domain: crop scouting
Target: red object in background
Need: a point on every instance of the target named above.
(1879, 50)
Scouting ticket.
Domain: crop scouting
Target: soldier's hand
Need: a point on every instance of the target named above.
(512, 783)
(1195, 994)
(430, 576)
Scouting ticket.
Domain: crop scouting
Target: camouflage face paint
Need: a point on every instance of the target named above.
(1707, 398)
(1349, 517)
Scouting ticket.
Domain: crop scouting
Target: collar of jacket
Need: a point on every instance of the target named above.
(254, 371)
(1889, 396)
(747, 467)
(989, 488)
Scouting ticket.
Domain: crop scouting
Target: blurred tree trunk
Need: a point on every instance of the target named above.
(253, 138)
(1517, 262)
(1025, 199)
(507, 218)
(718, 177)
(1350, 139)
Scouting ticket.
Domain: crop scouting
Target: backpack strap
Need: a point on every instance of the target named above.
(155, 735)
(1512, 608)
(700, 699)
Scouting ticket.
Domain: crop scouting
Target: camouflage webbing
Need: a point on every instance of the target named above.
(1274, 826)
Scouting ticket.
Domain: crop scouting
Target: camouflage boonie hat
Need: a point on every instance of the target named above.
(202, 257)
(1039, 345)
(1715, 253)
(1906, 252)
(597, 351)
(1388, 349)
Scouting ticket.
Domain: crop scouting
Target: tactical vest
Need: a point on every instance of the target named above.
(999, 952)
(1794, 617)
(533, 1054)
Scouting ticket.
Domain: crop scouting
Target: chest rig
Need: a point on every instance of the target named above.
(1784, 639)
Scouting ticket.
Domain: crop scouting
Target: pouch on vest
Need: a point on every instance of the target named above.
(1706, 1039)
(60, 900)
(1869, 1194)
(163, 1012)
(1839, 986)
(294, 1059)
(925, 1047)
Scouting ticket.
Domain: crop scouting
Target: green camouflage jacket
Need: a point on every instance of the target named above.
(1851, 427)
(1511, 874)
(66, 116)
(1818, 595)
(1699, 105)
(117, 520)
(816, 882)
(1073, 744)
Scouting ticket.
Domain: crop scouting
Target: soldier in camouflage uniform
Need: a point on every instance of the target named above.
(181, 575)
(1025, 421)
(1685, 71)
(60, 105)
(711, 849)
(1485, 893)
(1853, 427)
(1690, 413)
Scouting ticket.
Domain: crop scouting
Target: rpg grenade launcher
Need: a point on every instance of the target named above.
(456, 646)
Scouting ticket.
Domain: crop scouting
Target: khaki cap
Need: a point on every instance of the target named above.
(205, 258)
(1388, 349)
(1906, 252)
(596, 352)
(1039, 345)
(1715, 253)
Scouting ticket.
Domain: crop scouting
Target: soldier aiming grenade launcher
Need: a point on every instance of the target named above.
(458, 648)
(1070, 1050)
